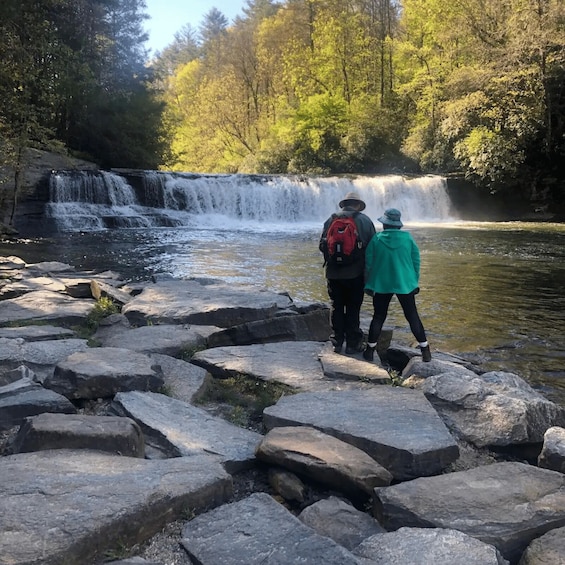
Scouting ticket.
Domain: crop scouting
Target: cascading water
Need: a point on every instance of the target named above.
(88, 201)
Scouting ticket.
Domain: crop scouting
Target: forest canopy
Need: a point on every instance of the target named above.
(297, 86)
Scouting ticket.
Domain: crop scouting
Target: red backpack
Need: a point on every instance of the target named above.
(342, 242)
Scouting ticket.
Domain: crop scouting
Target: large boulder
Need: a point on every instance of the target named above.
(71, 507)
(493, 409)
(397, 427)
(505, 504)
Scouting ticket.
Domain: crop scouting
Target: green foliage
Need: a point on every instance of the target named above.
(243, 398)
(103, 308)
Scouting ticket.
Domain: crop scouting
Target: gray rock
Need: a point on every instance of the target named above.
(258, 530)
(201, 302)
(182, 380)
(167, 339)
(324, 459)
(340, 521)
(45, 305)
(336, 366)
(101, 372)
(121, 436)
(100, 289)
(416, 367)
(311, 326)
(25, 398)
(397, 427)
(552, 455)
(427, 546)
(548, 549)
(493, 409)
(41, 357)
(295, 364)
(72, 506)
(180, 429)
(505, 504)
(287, 485)
(37, 333)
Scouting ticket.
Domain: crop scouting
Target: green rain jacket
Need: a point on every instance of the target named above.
(393, 263)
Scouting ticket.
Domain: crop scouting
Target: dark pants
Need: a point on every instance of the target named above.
(346, 296)
(380, 310)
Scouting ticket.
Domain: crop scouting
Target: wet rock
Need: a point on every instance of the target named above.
(101, 372)
(340, 521)
(505, 504)
(255, 531)
(397, 427)
(323, 459)
(493, 409)
(181, 430)
(121, 436)
(70, 507)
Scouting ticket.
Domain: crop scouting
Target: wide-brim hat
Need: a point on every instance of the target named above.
(352, 197)
(391, 217)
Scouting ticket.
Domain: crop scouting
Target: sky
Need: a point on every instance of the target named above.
(169, 16)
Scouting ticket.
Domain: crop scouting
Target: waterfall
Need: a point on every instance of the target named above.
(86, 201)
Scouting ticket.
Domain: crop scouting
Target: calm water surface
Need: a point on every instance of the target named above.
(492, 292)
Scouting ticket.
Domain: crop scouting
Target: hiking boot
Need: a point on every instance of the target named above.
(369, 353)
(426, 354)
(338, 347)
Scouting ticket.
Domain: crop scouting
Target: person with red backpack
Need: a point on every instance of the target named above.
(345, 236)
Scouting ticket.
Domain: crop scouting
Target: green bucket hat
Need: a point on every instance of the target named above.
(391, 217)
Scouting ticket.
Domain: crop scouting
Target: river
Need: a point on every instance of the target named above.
(493, 292)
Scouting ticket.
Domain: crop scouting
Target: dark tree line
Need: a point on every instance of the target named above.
(73, 73)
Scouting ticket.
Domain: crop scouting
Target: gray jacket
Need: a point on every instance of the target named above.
(366, 230)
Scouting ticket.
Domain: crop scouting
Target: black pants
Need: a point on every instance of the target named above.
(380, 310)
(346, 296)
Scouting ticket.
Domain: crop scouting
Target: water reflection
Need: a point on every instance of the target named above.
(494, 292)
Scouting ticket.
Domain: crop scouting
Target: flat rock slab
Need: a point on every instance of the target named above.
(39, 356)
(256, 531)
(428, 546)
(182, 380)
(100, 372)
(45, 305)
(323, 458)
(397, 427)
(70, 507)
(166, 339)
(312, 325)
(36, 333)
(505, 504)
(203, 302)
(25, 398)
(295, 364)
(180, 429)
(336, 366)
(120, 436)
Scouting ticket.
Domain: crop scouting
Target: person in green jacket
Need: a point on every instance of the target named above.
(392, 262)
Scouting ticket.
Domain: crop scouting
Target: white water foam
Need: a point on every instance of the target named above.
(91, 201)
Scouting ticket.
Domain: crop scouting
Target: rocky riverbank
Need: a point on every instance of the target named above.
(213, 424)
